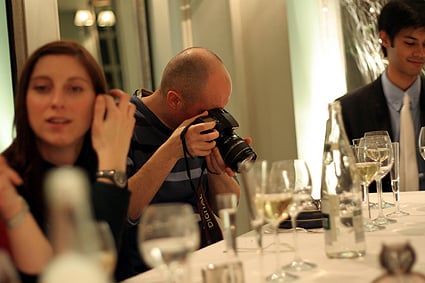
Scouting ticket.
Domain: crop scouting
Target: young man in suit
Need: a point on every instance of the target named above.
(376, 106)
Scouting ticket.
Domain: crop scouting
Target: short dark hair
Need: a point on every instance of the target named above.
(401, 14)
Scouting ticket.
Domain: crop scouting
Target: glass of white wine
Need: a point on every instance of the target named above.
(275, 200)
(368, 169)
(168, 234)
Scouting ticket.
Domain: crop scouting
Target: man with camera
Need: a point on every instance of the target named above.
(174, 156)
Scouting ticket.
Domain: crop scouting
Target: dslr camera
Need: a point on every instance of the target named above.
(234, 150)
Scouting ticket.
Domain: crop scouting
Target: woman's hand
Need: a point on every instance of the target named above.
(10, 201)
(112, 129)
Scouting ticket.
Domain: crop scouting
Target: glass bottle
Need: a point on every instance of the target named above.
(72, 229)
(340, 192)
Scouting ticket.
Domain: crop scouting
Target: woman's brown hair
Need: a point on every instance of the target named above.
(22, 154)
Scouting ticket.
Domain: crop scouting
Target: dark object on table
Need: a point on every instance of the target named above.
(398, 260)
(309, 218)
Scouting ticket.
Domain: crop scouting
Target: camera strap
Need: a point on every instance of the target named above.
(210, 230)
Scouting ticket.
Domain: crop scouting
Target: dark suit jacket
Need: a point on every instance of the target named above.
(365, 109)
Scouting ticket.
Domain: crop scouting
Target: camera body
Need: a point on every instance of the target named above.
(234, 150)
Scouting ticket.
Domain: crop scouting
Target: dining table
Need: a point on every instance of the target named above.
(311, 247)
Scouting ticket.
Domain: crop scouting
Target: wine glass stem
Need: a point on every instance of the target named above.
(259, 237)
(397, 200)
(366, 197)
(379, 193)
(294, 233)
(277, 244)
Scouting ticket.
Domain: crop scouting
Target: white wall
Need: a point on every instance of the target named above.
(318, 74)
(6, 89)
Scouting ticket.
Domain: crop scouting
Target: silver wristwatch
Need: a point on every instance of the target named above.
(118, 177)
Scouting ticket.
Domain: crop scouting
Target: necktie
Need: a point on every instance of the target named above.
(409, 180)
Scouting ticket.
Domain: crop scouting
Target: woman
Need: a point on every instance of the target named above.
(62, 118)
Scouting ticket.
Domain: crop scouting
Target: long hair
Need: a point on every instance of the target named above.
(23, 154)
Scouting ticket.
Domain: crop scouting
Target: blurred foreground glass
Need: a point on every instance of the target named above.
(254, 179)
(8, 272)
(227, 205)
(395, 181)
(296, 179)
(168, 234)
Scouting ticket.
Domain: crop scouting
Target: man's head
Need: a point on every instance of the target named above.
(397, 15)
(193, 81)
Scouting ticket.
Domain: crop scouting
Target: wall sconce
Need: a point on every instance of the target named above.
(83, 18)
(106, 18)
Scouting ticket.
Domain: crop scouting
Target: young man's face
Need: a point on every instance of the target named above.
(406, 54)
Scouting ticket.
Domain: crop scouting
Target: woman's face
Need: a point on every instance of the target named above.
(60, 102)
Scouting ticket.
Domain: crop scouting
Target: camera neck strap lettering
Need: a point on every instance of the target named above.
(210, 230)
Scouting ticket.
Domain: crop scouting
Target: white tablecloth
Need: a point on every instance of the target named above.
(364, 269)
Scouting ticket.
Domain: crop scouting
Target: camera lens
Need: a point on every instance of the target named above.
(235, 151)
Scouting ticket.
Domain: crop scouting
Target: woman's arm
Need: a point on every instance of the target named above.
(31, 251)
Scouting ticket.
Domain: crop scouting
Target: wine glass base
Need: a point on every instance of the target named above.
(373, 205)
(382, 220)
(370, 226)
(281, 276)
(299, 266)
(397, 214)
(386, 204)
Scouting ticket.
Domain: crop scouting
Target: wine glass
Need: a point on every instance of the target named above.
(275, 199)
(254, 179)
(8, 273)
(296, 179)
(395, 182)
(379, 148)
(385, 204)
(168, 234)
(107, 254)
(421, 142)
(356, 143)
(227, 205)
(368, 169)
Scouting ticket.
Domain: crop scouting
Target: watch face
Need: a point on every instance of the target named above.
(120, 178)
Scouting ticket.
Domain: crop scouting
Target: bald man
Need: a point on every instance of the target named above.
(194, 81)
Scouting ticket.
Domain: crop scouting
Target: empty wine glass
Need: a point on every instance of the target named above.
(296, 179)
(107, 254)
(168, 234)
(227, 205)
(395, 182)
(368, 169)
(275, 199)
(385, 204)
(379, 148)
(421, 142)
(254, 179)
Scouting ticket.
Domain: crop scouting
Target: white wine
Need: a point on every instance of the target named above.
(275, 206)
(378, 154)
(367, 171)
